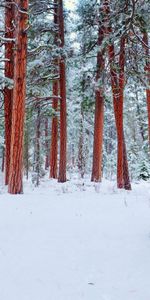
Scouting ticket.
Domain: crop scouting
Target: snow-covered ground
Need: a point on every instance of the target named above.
(75, 241)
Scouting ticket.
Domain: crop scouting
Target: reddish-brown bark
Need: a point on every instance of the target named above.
(118, 111)
(54, 134)
(126, 178)
(117, 81)
(9, 73)
(19, 92)
(63, 121)
(147, 68)
(99, 112)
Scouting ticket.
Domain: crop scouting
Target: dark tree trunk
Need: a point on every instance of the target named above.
(147, 68)
(46, 145)
(126, 178)
(54, 135)
(37, 149)
(3, 159)
(81, 155)
(63, 114)
(26, 152)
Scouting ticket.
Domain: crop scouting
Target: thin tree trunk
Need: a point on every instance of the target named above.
(126, 178)
(3, 160)
(147, 68)
(19, 92)
(63, 116)
(81, 158)
(54, 135)
(46, 145)
(26, 151)
(118, 112)
(9, 73)
(37, 143)
(139, 116)
(99, 123)
(98, 137)
(72, 156)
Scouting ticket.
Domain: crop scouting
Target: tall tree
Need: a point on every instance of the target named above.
(118, 100)
(118, 82)
(54, 133)
(99, 104)
(19, 93)
(63, 121)
(9, 73)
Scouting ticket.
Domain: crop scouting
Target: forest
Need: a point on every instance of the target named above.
(74, 149)
(74, 91)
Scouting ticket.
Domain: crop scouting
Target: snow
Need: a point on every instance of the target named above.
(75, 241)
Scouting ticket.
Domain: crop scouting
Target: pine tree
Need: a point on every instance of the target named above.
(9, 74)
(63, 124)
(19, 94)
(54, 133)
(99, 104)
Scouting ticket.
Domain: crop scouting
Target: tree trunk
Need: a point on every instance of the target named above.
(99, 114)
(54, 135)
(37, 143)
(19, 93)
(26, 151)
(98, 137)
(126, 178)
(81, 156)
(46, 145)
(99, 104)
(118, 112)
(117, 81)
(63, 121)
(9, 73)
(147, 68)
(3, 160)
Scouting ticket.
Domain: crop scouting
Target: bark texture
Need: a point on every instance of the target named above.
(63, 121)
(54, 134)
(99, 106)
(117, 82)
(9, 73)
(98, 134)
(19, 93)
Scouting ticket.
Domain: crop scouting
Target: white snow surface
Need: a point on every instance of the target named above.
(75, 241)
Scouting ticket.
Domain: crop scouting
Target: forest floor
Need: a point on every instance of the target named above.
(75, 241)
